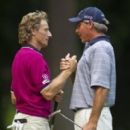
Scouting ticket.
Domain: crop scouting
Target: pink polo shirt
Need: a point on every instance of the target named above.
(30, 74)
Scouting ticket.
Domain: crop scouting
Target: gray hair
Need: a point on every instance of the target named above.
(100, 27)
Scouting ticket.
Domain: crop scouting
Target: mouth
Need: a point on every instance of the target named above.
(80, 36)
(47, 39)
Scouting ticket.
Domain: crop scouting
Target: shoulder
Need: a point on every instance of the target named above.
(103, 46)
(29, 55)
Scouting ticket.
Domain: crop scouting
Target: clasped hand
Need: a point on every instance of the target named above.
(68, 63)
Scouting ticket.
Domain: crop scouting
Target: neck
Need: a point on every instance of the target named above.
(96, 34)
(35, 44)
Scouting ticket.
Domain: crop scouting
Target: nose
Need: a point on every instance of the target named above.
(76, 30)
(49, 34)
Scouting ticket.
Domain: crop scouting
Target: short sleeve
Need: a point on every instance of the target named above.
(40, 74)
(100, 68)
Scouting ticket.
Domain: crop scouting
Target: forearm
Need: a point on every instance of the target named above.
(99, 100)
(56, 85)
(73, 77)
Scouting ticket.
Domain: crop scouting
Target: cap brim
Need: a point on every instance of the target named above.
(75, 19)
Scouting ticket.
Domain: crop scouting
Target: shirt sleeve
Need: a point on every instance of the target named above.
(100, 68)
(40, 75)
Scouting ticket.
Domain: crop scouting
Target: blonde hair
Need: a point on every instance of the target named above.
(30, 21)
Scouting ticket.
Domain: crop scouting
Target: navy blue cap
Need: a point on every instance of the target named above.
(90, 13)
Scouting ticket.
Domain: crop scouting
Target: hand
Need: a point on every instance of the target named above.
(59, 96)
(90, 126)
(64, 63)
(68, 63)
(13, 98)
(73, 63)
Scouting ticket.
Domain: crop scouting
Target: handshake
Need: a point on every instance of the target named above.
(68, 63)
(67, 67)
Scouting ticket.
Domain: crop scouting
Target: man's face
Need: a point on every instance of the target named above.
(43, 34)
(83, 31)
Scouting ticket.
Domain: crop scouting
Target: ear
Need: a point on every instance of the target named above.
(91, 24)
(33, 32)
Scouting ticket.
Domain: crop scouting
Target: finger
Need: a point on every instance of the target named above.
(61, 92)
(64, 67)
(67, 56)
(63, 59)
(63, 63)
(74, 57)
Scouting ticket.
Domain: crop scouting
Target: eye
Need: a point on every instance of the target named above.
(78, 25)
(46, 29)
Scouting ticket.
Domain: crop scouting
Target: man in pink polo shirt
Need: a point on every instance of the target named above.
(31, 75)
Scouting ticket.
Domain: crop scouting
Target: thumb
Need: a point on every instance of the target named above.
(67, 56)
(74, 57)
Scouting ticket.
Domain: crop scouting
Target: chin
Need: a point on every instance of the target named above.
(83, 41)
(44, 45)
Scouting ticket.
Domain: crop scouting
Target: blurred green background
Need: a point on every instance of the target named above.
(64, 40)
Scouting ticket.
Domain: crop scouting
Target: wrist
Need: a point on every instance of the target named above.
(66, 73)
(93, 122)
